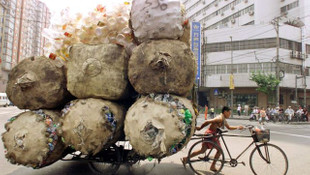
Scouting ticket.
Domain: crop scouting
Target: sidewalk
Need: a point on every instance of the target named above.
(244, 117)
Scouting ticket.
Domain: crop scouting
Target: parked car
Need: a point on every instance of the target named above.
(4, 101)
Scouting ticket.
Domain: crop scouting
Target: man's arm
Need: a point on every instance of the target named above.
(233, 127)
(206, 123)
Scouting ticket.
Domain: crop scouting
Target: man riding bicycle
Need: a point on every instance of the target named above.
(217, 122)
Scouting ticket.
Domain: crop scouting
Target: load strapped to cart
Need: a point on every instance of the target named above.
(260, 134)
(108, 76)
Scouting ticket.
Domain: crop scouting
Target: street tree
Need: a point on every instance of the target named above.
(266, 83)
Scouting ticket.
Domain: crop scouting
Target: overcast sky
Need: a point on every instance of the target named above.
(82, 6)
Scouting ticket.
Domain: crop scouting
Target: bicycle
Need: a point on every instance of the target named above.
(264, 154)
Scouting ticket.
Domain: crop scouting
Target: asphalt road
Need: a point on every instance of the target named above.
(293, 139)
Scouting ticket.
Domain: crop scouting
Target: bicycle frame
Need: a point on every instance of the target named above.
(260, 151)
(267, 159)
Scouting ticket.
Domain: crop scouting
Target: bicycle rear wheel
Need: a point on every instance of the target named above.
(106, 162)
(201, 163)
(268, 159)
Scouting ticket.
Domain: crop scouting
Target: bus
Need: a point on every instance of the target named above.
(4, 100)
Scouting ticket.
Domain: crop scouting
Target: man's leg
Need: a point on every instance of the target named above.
(217, 155)
(195, 153)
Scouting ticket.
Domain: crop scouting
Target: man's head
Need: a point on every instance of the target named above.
(226, 111)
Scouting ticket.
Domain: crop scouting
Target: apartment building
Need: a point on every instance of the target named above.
(240, 37)
(22, 22)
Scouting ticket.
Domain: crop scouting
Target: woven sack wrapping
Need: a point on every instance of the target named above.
(163, 66)
(154, 19)
(31, 139)
(159, 125)
(91, 124)
(37, 83)
(98, 71)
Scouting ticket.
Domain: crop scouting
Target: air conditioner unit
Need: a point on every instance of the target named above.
(203, 2)
(245, 1)
(233, 8)
(222, 14)
(295, 54)
(233, 21)
(251, 13)
(282, 0)
(216, 4)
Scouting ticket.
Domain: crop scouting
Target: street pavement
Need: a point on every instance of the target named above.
(293, 139)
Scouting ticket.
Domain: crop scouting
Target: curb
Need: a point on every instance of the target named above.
(291, 123)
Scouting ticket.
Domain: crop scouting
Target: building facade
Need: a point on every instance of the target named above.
(22, 23)
(240, 37)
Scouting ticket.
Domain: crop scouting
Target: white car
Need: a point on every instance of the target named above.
(4, 100)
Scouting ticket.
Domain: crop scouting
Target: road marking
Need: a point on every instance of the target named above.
(288, 134)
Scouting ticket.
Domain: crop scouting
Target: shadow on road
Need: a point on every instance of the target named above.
(81, 168)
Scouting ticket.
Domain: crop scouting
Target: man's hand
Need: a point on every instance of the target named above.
(240, 127)
(198, 128)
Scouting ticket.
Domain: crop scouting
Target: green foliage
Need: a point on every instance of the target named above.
(266, 83)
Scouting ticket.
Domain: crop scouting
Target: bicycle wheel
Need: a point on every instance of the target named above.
(106, 162)
(201, 163)
(268, 159)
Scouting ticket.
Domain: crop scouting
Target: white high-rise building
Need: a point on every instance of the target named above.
(242, 34)
(21, 26)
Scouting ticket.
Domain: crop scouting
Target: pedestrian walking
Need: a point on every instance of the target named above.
(206, 112)
(239, 110)
(262, 115)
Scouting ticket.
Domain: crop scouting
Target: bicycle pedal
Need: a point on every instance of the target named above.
(242, 163)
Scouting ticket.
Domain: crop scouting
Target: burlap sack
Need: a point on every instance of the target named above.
(163, 66)
(98, 71)
(91, 124)
(37, 82)
(154, 19)
(31, 139)
(159, 125)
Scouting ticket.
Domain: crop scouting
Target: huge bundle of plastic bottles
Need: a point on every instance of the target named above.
(141, 94)
(101, 25)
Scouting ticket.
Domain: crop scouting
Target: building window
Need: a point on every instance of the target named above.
(308, 49)
(242, 68)
(255, 67)
(245, 99)
(268, 67)
(289, 6)
(242, 45)
(229, 18)
(210, 70)
(221, 69)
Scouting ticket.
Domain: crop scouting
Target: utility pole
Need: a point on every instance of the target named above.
(275, 22)
(296, 94)
(305, 89)
(303, 56)
(231, 86)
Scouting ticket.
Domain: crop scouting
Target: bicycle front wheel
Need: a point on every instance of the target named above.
(201, 163)
(268, 159)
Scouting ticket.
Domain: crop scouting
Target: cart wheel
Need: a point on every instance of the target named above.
(108, 162)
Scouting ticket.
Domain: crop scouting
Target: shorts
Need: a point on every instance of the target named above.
(213, 139)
